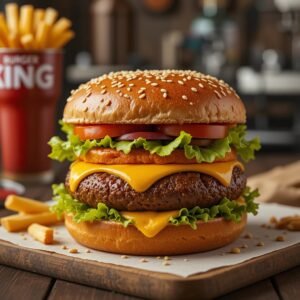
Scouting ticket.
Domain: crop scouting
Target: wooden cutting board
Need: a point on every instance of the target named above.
(149, 284)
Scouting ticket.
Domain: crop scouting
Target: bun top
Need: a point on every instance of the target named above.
(154, 97)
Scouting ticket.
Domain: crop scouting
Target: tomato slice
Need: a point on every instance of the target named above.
(148, 135)
(203, 131)
(89, 132)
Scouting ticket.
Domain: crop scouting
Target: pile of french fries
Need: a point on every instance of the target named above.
(291, 223)
(32, 215)
(33, 29)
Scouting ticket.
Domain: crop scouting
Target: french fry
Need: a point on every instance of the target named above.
(3, 30)
(63, 39)
(38, 17)
(21, 222)
(25, 205)
(27, 41)
(50, 16)
(2, 44)
(12, 17)
(42, 35)
(13, 40)
(26, 19)
(41, 233)
(59, 27)
(294, 225)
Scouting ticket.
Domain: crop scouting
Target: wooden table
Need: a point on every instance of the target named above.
(23, 285)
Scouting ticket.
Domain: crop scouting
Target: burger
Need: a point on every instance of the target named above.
(155, 163)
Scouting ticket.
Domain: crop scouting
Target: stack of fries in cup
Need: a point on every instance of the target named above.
(33, 29)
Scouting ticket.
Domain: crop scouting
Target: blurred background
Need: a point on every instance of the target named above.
(254, 45)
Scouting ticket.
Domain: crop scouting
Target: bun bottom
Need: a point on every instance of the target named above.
(113, 237)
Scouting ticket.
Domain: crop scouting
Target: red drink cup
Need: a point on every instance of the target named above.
(30, 86)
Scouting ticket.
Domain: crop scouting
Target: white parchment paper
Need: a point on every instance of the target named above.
(185, 265)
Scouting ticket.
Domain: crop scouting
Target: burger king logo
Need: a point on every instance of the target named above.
(25, 71)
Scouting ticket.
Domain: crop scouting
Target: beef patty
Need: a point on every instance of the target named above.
(187, 189)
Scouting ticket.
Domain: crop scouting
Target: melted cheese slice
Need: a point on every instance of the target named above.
(150, 223)
(141, 177)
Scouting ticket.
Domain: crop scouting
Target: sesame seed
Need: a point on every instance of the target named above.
(165, 95)
(169, 80)
(129, 89)
(73, 250)
(191, 103)
(131, 84)
(201, 85)
(103, 92)
(154, 84)
(189, 78)
(69, 99)
(194, 89)
(235, 250)
(163, 90)
(217, 94)
(184, 97)
(184, 79)
(126, 96)
(64, 247)
(103, 86)
(180, 82)
(142, 96)
(85, 109)
(141, 91)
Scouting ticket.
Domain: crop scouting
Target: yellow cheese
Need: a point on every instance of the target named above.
(141, 177)
(150, 223)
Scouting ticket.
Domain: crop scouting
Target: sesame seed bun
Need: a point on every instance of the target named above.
(172, 240)
(154, 97)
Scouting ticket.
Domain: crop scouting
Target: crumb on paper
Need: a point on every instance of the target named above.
(165, 263)
(235, 250)
(22, 233)
(260, 244)
(143, 260)
(88, 251)
(158, 257)
(248, 235)
(167, 258)
(124, 256)
(273, 220)
(185, 259)
(279, 238)
(263, 225)
(64, 247)
(244, 246)
(24, 238)
(73, 250)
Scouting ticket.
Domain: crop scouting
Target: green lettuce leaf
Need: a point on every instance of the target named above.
(65, 203)
(229, 209)
(73, 147)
